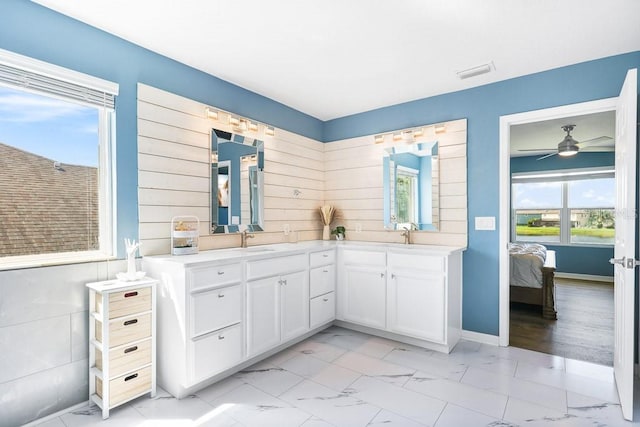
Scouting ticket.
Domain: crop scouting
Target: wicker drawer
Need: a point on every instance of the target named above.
(126, 329)
(125, 387)
(126, 302)
(126, 358)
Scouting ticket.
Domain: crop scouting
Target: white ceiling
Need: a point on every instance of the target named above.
(333, 58)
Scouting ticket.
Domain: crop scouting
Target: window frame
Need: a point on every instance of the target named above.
(564, 176)
(106, 160)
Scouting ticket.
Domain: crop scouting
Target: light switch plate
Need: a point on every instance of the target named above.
(286, 229)
(358, 228)
(487, 223)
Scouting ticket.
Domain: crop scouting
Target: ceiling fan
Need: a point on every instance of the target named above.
(570, 147)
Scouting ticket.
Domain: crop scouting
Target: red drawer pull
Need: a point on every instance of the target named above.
(131, 294)
(130, 377)
(130, 349)
(130, 322)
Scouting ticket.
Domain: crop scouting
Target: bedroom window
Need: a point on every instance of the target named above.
(55, 164)
(564, 207)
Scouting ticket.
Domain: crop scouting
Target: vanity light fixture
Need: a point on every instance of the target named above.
(238, 123)
(440, 128)
(418, 132)
(211, 113)
(378, 139)
(234, 121)
(397, 136)
(410, 135)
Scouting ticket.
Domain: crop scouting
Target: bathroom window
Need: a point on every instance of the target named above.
(55, 165)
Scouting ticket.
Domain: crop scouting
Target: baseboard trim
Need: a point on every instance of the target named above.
(579, 276)
(76, 407)
(480, 337)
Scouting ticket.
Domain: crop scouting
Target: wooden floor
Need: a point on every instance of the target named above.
(583, 331)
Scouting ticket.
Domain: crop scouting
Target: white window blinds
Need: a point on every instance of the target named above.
(30, 74)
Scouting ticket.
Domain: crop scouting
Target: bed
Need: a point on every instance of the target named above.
(532, 267)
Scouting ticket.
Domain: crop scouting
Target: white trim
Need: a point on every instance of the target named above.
(481, 338)
(578, 276)
(57, 72)
(52, 417)
(506, 122)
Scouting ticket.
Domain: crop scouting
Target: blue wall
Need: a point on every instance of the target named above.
(29, 29)
(573, 259)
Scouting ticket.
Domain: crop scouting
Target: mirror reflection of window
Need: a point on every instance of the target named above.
(407, 196)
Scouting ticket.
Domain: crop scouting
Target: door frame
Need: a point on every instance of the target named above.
(598, 106)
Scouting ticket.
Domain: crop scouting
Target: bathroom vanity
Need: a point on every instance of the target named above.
(222, 310)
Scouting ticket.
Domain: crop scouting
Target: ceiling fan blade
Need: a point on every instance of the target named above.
(547, 155)
(538, 149)
(595, 149)
(594, 141)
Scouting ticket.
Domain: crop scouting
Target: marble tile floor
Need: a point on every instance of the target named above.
(345, 378)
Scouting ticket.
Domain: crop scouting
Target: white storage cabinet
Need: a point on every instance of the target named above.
(122, 342)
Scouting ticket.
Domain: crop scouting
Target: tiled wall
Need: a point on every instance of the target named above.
(44, 338)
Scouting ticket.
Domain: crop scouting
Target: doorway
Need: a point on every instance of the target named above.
(505, 230)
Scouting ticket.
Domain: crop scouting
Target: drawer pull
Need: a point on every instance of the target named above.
(325, 299)
(220, 295)
(220, 273)
(130, 349)
(131, 377)
(131, 322)
(325, 271)
(325, 255)
(220, 337)
(131, 294)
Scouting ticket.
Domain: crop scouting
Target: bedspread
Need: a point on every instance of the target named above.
(525, 264)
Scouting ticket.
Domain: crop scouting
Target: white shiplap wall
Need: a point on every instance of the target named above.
(174, 173)
(353, 185)
(301, 174)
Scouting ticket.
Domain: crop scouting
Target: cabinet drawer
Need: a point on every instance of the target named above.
(216, 352)
(322, 258)
(126, 329)
(416, 261)
(364, 257)
(215, 309)
(322, 309)
(207, 277)
(321, 280)
(126, 302)
(127, 386)
(276, 266)
(126, 358)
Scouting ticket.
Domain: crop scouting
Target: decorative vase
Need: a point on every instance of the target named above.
(131, 265)
(326, 233)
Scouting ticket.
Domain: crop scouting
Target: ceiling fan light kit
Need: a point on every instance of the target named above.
(568, 146)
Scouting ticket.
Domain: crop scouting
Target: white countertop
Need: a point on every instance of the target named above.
(280, 249)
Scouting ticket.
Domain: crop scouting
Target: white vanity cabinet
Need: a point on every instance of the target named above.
(322, 285)
(200, 322)
(412, 294)
(277, 301)
(362, 286)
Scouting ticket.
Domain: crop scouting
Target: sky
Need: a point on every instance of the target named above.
(592, 193)
(59, 130)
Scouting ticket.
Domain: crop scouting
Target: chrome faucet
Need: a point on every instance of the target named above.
(407, 235)
(243, 238)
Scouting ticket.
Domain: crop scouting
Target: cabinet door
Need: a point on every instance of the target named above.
(363, 296)
(417, 304)
(295, 305)
(263, 314)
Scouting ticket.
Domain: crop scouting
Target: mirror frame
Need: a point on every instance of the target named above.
(219, 137)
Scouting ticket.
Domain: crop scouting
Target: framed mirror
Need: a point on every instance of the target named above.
(237, 182)
(411, 186)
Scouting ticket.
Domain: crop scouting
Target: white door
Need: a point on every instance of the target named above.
(295, 305)
(263, 315)
(624, 272)
(364, 296)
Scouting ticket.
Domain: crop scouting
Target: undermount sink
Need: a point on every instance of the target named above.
(257, 249)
